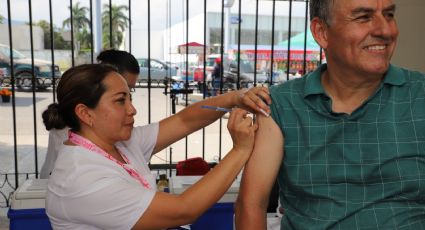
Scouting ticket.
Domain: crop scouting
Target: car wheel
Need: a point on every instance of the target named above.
(42, 84)
(246, 84)
(227, 85)
(24, 80)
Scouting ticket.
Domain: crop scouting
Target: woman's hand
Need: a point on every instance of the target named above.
(255, 100)
(242, 130)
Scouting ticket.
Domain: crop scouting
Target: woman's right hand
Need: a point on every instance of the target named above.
(242, 130)
(172, 209)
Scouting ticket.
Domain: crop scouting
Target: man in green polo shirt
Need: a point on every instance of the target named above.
(346, 142)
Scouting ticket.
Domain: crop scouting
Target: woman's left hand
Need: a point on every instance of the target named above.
(255, 100)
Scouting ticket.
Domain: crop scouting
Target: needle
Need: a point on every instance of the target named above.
(216, 108)
(229, 110)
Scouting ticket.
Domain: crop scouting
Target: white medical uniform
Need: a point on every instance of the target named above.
(88, 191)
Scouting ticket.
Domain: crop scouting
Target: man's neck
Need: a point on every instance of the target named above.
(348, 92)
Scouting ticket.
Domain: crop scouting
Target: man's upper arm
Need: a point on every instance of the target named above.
(259, 175)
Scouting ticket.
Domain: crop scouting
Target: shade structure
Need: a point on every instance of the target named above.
(282, 54)
(298, 41)
(281, 50)
(194, 48)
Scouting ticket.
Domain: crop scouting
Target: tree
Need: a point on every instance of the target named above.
(59, 42)
(119, 24)
(84, 37)
(80, 24)
(1, 19)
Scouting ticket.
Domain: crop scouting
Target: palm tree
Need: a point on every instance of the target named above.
(59, 42)
(80, 23)
(119, 24)
(84, 37)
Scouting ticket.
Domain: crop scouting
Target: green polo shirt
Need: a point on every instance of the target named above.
(365, 170)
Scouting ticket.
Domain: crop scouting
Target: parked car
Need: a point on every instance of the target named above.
(196, 73)
(22, 69)
(246, 74)
(160, 71)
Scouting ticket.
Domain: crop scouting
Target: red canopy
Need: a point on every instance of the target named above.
(191, 44)
(194, 48)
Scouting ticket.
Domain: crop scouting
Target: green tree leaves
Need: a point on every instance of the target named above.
(119, 24)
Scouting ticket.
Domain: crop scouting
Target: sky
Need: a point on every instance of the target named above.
(40, 10)
(159, 16)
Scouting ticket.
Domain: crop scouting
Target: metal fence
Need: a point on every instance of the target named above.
(264, 48)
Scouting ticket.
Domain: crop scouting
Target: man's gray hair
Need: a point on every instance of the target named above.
(321, 9)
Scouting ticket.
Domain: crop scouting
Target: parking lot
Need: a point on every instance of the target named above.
(30, 130)
(28, 118)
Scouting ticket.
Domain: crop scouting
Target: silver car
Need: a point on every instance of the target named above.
(159, 71)
(246, 74)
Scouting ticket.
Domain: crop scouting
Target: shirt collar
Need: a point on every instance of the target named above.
(394, 76)
(313, 83)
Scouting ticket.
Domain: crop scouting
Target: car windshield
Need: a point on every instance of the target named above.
(142, 62)
(6, 51)
(210, 61)
(246, 66)
(155, 64)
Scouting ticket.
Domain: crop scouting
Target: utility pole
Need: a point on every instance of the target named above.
(97, 27)
(227, 5)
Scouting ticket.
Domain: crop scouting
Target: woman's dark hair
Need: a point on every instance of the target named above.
(123, 60)
(78, 85)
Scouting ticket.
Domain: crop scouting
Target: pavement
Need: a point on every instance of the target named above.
(4, 223)
(30, 132)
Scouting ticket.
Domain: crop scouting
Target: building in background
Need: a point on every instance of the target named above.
(21, 35)
(166, 36)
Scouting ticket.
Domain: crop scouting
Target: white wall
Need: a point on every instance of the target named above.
(21, 37)
(139, 43)
(410, 51)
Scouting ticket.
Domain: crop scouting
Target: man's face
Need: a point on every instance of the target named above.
(362, 35)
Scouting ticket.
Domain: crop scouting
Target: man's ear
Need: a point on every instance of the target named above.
(84, 114)
(319, 31)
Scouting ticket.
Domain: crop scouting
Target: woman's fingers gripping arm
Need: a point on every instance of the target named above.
(255, 100)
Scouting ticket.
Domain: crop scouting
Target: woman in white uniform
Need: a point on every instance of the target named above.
(101, 179)
(127, 66)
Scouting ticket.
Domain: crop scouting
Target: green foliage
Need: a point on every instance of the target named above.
(119, 24)
(85, 39)
(1, 19)
(58, 41)
(80, 25)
